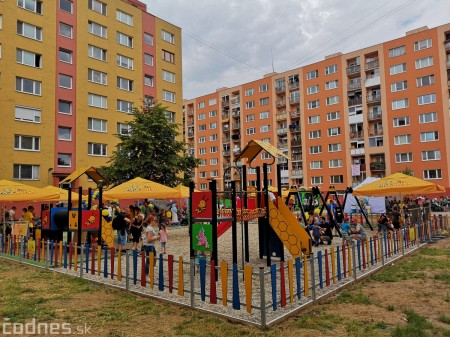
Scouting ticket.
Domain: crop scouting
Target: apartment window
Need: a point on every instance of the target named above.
(201, 116)
(334, 147)
(331, 69)
(148, 59)
(203, 186)
(212, 125)
(213, 149)
(397, 69)
(313, 104)
(28, 58)
(202, 174)
(97, 6)
(124, 83)
(168, 96)
(249, 105)
(431, 155)
(65, 30)
(31, 5)
(96, 149)
(26, 172)
(97, 29)
(28, 30)
(316, 149)
(312, 89)
(250, 131)
(337, 179)
(124, 106)
(250, 118)
(401, 121)
(331, 116)
(432, 174)
(124, 40)
(333, 163)
(64, 133)
(168, 76)
(65, 81)
(97, 125)
(249, 92)
(148, 39)
(168, 37)
(317, 180)
(425, 62)
(428, 117)
(27, 143)
(315, 134)
(264, 128)
(97, 76)
(264, 101)
(148, 80)
(124, 17)
(405, 157)
(202, 140)
(214, 173)
(213, 113)
(399, 86)
(168, 56)
(170, 116)
(423, 44)
(266, 155)
(65, 107)
(65, 55)
(123, 129)
(125, 61)
(402, 139)
(97, 53)
(397, 51)
(264, 115)
(332, 100)
(334, 132)
(263, 87)
(331, 85)
(66, 6)
(426, 99)
(213, 137)
(314, 119)
(429, 136)
(315, 165)
(312, 74)
(28, 86)
(425, 80)
(97, 101)
(202, 127)
(400, 104)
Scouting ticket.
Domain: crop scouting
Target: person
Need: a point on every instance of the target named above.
(357, 231)
(122, 223)
(162, 219)
(316, 234)
(12, 214)
(395, 217)
(163, 235)
(148, 244)
(383, 223)
(326, 233)
(136, 222)
(24, 211)
(345, 227)
(174, 211)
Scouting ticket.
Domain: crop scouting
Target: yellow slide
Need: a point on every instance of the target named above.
(288, 229)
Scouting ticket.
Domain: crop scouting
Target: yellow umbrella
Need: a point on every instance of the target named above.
(139, 188)
(284, 193)
(398, 183)
(11, 191)
(63, 194)
(184, 191)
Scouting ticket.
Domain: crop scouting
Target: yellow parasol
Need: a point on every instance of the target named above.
(11, 191)
(183, 190)
(63, 194)
(139, 188)
(284, 193)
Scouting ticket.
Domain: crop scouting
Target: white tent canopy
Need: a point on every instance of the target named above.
(377, 204)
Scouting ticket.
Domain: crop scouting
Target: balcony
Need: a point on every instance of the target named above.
(448, 64)
(295, 114)
(294, 100)
(378, 166)
(372, 81)
(227, 176)
(447, 44)
(282, 160)
(352, 70)
(190, 135)
(236, 126)
(295, 143)
(282, 116)
(225, 115)
(281, 131)
(373, 99)
(225, 103)
(374, 116)
(358, 151)
(236, 150)
(377, 132)
(235, 101)
(190, 112)
(226, 139)
(294, 85)
(296, 157)
(355, 101)
(297, 174)
(372, 65)
(354, 86)
(280, 103)
(356, 135)
(190, 124)
(280, 89)
(226, 153)
(282, 145)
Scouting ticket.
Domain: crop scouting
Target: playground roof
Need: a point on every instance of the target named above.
(254, 147)
(91, 172)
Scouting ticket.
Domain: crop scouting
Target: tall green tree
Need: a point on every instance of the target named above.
(150, 151)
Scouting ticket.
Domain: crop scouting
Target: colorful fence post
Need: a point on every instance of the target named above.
(143, 281)
(212, 283)
(105, 264)
(161, 273)
(248, 270)
(170, 271)
(112, 251)
(358, 246)
(180, 276)
(202, 265)
(363, 253)
(236, 300)
(291, 280)
(273, 279)
(224, 279)
(282, 285)
(333, 264)
(327, 269)
(75, 259)
(354, 261)
(305, 276)
(127, 270)
(319, 263)
(87, 258)
(313, 276)
(338, 260)
(262, 296)
(99, 259)
(119, 265)
(135, 266)
(65, 255)
(298, 266)
(371, 250)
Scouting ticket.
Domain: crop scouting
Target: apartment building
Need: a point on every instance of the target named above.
(370, 112)
(70, 74)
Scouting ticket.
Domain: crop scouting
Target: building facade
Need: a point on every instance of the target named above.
(371, 112)
(70, 74)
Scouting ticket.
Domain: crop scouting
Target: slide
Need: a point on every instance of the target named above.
(291, 233)
(223, 227)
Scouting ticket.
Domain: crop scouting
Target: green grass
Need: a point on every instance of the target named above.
(318, 321)
(444, 319)
(444, 277)
(417, 326)
(362, 328)
(354, 296)
(434, 252)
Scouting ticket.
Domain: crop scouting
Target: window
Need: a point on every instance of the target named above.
(97, 101)
(334, 131)
(423, 44)
(249, 92)
(65, 55)
(124, 83)
(97, 53)
(332, 100)
(402, 139)
(202, 140)
(428, 117)
(334, 147)
(266, 155)
(97, 6)
(312, 74)
(249, 105)
(212, 125)
(213, 137)
(313, 104)
(148, 80)
(429, 136)
(264, 101)
(314, 119)
(148, 39)
(65, 81)
(331, 69)
(401, 121)
(168, 37)
(400, 104)
(28, 30)
(250, 131)
(28, 86)
(31, 5)
(399, 86)
(214, 173)
(397, 69)
(202, 174)
(337, 179)
(124, 106)
(202, 150)
(26, 172)
(65, 30)
(317, 180)
(264, 115)
(263, 87)
(64, 107)
(66, 5)
(202, 127)
(331, 85)
(331, 116)
(1, 21)
(168, 76)
(397, 51)
(315, 165)
(97, 76)
(168, 56)
(432, 174)
(250, 118)
(431, 155)
(425, 80)
(123, 129)
(315, 149)
(315, 134)
(426, 99)
(264, 128)
(124, 40)
(213, 113)
(28, 58)
(27, 143)
(64, 160)
(425, 62)
(125, 62)
(405, 157)
(148, 59)
(96, 149)
(124, 17)
(333, 163)
(97, 125)
(168, 96)
(213, 149)
(201, 116)
(97, 29)
(312, 89)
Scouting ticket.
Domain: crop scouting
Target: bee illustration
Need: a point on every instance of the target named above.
(90, 221)
(201, 205)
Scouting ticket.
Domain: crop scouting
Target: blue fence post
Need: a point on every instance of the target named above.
(319, 262)
(298, 266)
(273, 277)
(52, 248)
(24, 247)
(202, 264)
(65, 255)
(236, 299)
(338, 258)
(135, 256)
(358, 246)
(371, 250)
(105, 264)
(161, 273)
(385, 245)
(87, 257)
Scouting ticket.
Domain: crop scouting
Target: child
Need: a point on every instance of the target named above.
(163, 235)
(316, 234)
(345, 227)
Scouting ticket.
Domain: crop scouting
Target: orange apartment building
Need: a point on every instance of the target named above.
(371, 112)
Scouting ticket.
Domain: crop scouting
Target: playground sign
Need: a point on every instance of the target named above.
(202, 205)
(45, 219)
(202, 237)
(89, 220)
(20, 229)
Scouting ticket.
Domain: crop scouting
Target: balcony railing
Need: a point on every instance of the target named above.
(296, 173)
(373, 98)
(225, 115)
(282, 145)
(357, 134)
(353, 69)
(227, 176)
(190, 124)
(380, 166)
(281, 131)
(190, 135)
(280, 89)
(358, 151)
(282, 116)
(296, 158)
(354, 86)
(237, 150)
(374, 115)
(354, 101)
(190, 112)
(225, 103)
(296, 143)
(236, 126)
(377, 132)
(294, 85)
(281, 102)
(447, 45)
(226, 153)
(295, 114)
(294, 100)
(372, 65)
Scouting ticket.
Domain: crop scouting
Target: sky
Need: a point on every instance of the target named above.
(230, 42)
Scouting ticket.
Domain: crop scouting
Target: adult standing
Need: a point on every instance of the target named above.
(122, 223)
(395, 217)
(12, 214)
(148, 243)
(136, 223)
(174, 211)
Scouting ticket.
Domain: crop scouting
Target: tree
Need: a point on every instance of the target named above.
(150, 151)
(408, 171)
